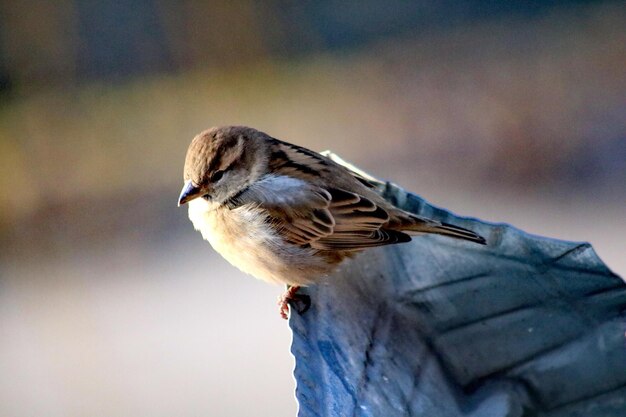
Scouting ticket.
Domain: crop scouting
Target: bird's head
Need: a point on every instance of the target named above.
(221, 162)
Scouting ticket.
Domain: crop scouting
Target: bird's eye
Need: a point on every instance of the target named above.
(217, 175)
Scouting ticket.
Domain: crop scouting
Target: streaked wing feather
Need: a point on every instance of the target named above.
(358, 223)
(296, 161)
(357, 242)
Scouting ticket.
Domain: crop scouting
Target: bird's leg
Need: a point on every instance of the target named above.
(301, 302)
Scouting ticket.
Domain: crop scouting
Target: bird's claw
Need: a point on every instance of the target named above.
(300, 302)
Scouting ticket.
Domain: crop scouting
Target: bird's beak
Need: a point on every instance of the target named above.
(188, 193)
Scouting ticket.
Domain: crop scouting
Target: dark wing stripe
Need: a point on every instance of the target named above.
(304, 151)
(299, 167)
(287, 158)
(362, 180)
(378, 215)
(363, 205)
(312, 227)
(378, 238)
(299, 236)
(324, 217)
(341, 198)
(279, 160)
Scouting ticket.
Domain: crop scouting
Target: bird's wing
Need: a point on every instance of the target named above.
(358, 224)
(295, 161)
(323, 218)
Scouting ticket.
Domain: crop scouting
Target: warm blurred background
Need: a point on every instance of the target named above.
(111, 305)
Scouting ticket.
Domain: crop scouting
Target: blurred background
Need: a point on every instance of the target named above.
(110, 303)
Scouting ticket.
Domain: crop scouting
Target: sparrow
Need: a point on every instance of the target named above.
(286, 214)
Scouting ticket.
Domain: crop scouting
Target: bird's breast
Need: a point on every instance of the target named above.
(245, 238)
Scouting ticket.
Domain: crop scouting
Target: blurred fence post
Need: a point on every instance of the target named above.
(525, 326)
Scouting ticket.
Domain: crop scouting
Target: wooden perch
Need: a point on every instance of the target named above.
(525, 326)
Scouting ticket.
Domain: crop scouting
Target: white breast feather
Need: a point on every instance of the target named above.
(243, 237)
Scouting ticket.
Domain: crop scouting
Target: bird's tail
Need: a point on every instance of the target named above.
(422, 225)
(457, 232)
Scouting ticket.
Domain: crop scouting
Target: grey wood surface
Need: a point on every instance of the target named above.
(525, 326)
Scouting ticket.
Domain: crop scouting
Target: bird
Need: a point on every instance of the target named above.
(286, 214)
